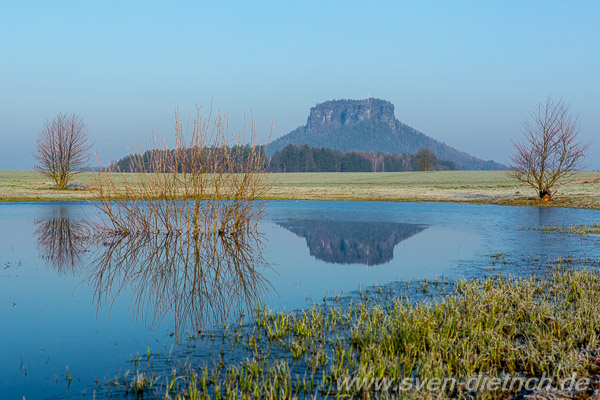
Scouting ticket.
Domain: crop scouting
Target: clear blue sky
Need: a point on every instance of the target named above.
(462, 72)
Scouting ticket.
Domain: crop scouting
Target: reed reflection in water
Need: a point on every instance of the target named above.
(62, 241)
(202, 280)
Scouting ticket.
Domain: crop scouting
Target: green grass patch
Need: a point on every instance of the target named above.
(497, 327)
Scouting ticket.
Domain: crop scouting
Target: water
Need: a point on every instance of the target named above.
(61, 306)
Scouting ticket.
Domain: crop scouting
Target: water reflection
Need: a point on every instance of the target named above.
(352, 242)
(201, 280)
(61, 240)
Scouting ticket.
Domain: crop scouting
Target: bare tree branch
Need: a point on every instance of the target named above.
(550, 150)
(425, 159)
(62, 149)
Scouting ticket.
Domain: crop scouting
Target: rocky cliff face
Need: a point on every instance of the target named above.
(335, 114)
(370, 125)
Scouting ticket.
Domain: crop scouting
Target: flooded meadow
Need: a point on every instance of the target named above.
(85, 311)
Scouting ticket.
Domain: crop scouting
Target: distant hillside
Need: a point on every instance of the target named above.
(370, 125)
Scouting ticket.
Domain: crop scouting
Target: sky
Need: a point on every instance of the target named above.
(463, 72)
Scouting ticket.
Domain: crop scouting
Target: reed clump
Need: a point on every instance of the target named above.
(208, 183)
(180, 226)
(593, 229)
(577, 230)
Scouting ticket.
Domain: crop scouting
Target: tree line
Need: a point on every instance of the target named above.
(232, 157)
(294, 158)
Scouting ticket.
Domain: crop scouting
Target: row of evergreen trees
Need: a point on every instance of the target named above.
(293, 158)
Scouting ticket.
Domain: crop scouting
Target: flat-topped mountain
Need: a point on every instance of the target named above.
(370, 125)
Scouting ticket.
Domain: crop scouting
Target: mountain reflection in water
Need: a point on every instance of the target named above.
(352, 242)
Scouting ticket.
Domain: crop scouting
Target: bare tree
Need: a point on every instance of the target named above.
(425, 159)
(377, 161)
(550, 150)
(62, 149)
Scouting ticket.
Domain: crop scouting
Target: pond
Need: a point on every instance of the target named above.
(77, 312)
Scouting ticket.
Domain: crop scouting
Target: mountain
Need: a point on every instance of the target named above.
(370, 125)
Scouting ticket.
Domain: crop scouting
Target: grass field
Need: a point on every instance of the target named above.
(492, 187)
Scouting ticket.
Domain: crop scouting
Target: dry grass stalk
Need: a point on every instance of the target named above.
(181, 230)
(207, 183)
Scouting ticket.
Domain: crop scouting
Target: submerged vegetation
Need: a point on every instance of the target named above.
(497, 327)
(576, 229)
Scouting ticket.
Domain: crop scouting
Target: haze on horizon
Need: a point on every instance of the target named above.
(464, 73)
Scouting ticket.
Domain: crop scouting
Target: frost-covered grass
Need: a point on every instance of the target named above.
(496, 327)
(491, 187)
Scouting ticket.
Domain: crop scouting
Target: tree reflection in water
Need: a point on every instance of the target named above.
(201, 279)
(62, 241)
